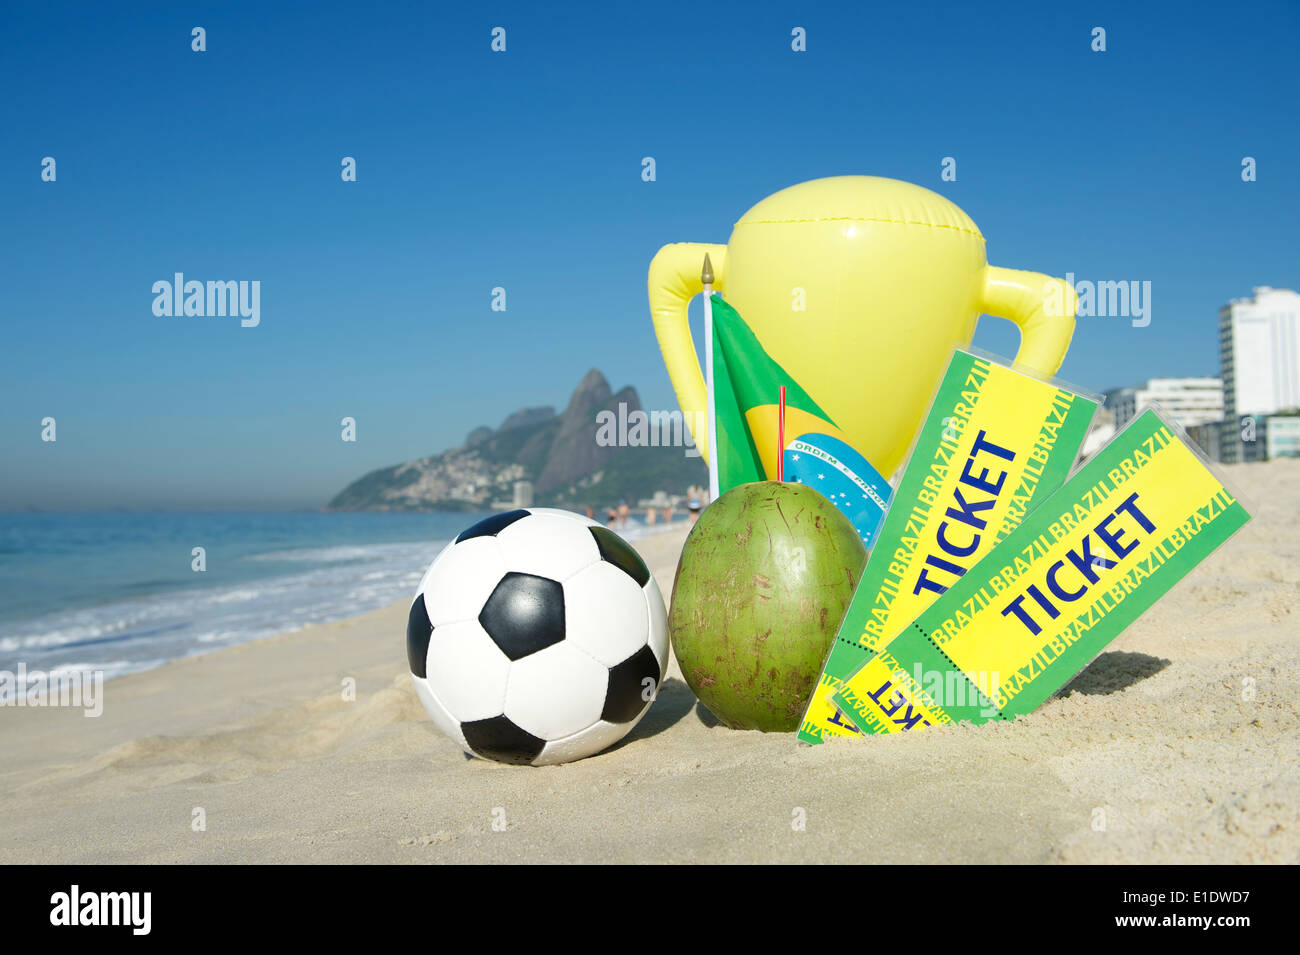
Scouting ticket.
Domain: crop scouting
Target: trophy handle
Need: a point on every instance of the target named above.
(1044, 309)
(674, 280)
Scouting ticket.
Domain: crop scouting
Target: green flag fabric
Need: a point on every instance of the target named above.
(746, 388)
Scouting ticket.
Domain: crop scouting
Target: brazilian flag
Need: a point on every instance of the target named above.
(746, 390)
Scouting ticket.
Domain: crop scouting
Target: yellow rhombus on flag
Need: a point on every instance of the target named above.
(746, 385)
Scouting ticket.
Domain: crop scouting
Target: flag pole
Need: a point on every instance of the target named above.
(706, 276)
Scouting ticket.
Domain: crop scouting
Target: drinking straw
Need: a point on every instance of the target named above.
(780, 436)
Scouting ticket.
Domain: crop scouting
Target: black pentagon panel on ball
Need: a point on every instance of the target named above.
(418, 631)
(615, 550)
(524, 614)
(625, 697)
(491, 526)
(500, 739)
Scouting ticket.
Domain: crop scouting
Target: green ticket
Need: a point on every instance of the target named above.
(993, 444)
(1046, 600)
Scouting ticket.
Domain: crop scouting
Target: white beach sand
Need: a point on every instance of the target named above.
(1155, 754)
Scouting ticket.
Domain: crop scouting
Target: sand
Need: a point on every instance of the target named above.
(1179, 744)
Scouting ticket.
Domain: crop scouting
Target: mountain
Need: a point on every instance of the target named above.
(558, 453)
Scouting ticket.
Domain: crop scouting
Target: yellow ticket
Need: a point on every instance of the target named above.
(993, 443)
(1042, 604)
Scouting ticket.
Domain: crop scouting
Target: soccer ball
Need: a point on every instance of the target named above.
(537, 637)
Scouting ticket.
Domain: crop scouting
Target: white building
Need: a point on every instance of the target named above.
(1259, 352)
(1282, 438)
(523, 494)
(1189, 401)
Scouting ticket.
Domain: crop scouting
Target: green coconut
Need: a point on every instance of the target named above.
(763, 583)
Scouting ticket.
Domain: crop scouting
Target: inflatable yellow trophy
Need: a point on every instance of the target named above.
(858, 287)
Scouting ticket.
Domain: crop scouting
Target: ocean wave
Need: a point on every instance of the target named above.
(348, 553)
(143, 631)
(138, 632)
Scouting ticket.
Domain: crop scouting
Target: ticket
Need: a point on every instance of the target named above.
(993, 443)
(1045, 601)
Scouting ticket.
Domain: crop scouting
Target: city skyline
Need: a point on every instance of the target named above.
(478, 170)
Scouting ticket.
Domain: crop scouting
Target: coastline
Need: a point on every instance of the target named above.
(84, 607)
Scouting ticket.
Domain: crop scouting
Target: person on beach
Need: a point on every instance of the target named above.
(622, 514)
(651, 515)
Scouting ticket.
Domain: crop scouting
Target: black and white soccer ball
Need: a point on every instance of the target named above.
(537, 637)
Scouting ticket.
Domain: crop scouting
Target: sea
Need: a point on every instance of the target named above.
(119, 592)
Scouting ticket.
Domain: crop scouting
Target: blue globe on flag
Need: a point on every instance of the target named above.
(843, 476)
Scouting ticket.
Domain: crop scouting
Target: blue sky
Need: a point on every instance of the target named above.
(523, 170)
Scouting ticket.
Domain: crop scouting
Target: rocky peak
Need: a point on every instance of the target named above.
(558, 453)
(575, 452)
(527, 417)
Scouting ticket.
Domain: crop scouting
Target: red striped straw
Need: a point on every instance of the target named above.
(780, 436)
